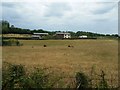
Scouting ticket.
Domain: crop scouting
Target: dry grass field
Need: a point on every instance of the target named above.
(16, 35)
(57, 56)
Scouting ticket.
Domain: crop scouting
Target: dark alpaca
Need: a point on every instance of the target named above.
(70, 46)
(44, 45)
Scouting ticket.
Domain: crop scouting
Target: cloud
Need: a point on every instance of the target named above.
(87, 16)
(57, 9)
(10, 12)
(9, 5)
(60, 0)
(104, 7)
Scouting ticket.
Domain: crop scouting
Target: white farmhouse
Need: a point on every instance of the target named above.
(63, 35)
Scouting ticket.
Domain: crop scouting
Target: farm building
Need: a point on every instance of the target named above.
(39, 35)
(61, 35)
(83, 36)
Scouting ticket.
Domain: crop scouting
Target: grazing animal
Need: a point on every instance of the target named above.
(70, 46)
(32, 47)
(44, 45)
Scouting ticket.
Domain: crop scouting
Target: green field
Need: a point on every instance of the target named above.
(57, 56)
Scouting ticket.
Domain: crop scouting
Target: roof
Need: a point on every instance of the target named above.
(35, 36)
(40, 33)
(61, 33)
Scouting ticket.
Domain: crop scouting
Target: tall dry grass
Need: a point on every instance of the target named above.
(57, 57)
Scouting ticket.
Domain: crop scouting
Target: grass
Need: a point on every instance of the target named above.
(64, 60)
(16, 35)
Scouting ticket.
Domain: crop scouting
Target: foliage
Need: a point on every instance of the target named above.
(5, 26)
(81, 80)
(38, 78)
(11, 76)
(7, 29)
(39, 31)
(103, 83)
(15, 77)
(11, 42)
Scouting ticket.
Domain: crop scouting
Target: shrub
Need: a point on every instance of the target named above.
(11, 42)
(37, 79)
(11, 76)
(103, 83)
(81, 80)
(15, 77)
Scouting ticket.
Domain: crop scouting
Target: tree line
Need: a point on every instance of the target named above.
(11, 29)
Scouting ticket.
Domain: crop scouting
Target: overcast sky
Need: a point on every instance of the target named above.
(99, 16)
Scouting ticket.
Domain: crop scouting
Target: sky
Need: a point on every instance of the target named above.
(99, 16)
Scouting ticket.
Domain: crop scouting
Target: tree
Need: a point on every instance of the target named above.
(5, 26)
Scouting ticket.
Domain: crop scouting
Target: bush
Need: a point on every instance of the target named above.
(11, 42)
(38, 79)
(15, 77)
(12, 76)
(103, 83)
(81, 80)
